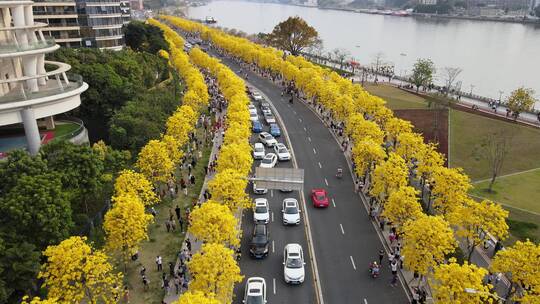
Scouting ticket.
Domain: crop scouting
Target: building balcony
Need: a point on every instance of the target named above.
(14, 49)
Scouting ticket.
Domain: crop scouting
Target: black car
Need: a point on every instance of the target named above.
(259, 242)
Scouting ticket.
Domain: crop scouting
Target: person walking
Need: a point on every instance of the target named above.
(394, 268)
(145, 282)
(177, 211)
(381, 256)
(159, 263)
(177, 284)
(188, 245)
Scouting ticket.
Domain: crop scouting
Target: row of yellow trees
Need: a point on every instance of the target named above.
(74, 271)
(214, 268)
(386, 148)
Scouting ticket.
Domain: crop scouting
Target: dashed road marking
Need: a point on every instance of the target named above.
(294, 112)
(305, 129)
(320, 166)
(333, 203)
(300, 119)
(274, 281)
(272, 216)
(352, 261)
(365, 301)
(273, 246)
(314, 151)
(309, 139)
(342, 231)
(271, 193)
(326, 181)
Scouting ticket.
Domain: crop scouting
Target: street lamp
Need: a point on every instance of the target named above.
(474, 291)
(472, 87)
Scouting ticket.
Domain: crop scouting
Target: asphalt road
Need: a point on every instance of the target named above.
(345, 240)
(271, 268)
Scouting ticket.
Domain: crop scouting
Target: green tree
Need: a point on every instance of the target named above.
(293, 35)
(19, 163)
(423, 71)
(80, 169)
(144, 37)
(37, 210)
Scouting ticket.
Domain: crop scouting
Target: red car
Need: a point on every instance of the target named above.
(319, 198)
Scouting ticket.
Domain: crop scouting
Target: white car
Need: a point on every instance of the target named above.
(257, 96)
(267, 139)
(259, 190)
(282, 152)
(252, 109)
(255, 291)
(258, 151)
(253, 116)
(261, 211)
(293, 264)
(269, 118)
(291, 212)
(269, 161)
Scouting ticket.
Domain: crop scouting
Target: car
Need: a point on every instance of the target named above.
(253, 117)
(257, 126)
(257, 96)
(269, 161)
(290, 211)
(319, 198)
(258, 151)
(293, 264)
(255, 291)
(275, 130)
(269, 118)
(267, 139)
(252, 109)
(258, 248)
(282, 152)
(286, 190)
(264, 105)
(258, 190)
(261, 211)
(266, 111)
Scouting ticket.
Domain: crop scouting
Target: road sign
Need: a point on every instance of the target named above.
(279, 178)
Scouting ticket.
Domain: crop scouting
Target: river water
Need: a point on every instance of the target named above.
(494, 56)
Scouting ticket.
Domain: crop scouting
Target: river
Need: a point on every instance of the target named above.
(494, 56)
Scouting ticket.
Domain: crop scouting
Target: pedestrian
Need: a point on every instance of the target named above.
(183, 186)
(145, 282)
(166, 285)
(188, 244)
(192, 179)
(153, 211)
(390, 257)
(177, 284)
(177, 211)
(171, 269)
(159, 263)
(126, 294)
(394, 268)
(381, 256)
(168, 225)
(415, 296)
(143, 270)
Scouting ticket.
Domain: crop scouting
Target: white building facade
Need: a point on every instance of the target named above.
(32, 88)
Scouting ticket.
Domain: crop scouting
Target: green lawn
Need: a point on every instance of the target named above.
(396, 98)
(64, 128)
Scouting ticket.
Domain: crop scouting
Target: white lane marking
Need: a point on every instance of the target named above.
(305, 129)
(294, 112)
(289, 106)
(342, 231)
(309, 139)
(352, 261)
(271, 193)
(273, 246)
(314, 151)
(300, 119)
(326, 181)
(320, 166)
(365, 301)
(274, 281)
(272, 216)
(333, 203)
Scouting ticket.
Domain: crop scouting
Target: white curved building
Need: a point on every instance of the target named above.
(30, 87)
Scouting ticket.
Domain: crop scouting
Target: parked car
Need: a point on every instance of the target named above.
(258, 151)
(253, 117)
(257, 126)
(255, 291)
(275, 130)
(259, 190)
(319, 198)
(290, 211)
(258, 248)
(267, 139)
(269, 161)
(282, 152)
(269, 118)
(252, 109)
(257, 96)
(293, 264)
(261, 211)
(263, 105)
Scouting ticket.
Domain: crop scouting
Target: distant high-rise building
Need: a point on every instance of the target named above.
(137, 5)
(534, 4)
(85, 23)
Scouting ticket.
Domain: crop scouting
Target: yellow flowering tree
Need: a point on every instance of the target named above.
(388, 177)
(407, 146)
(236, 156)
(173, 147)
(521, 265)
(181, 123)
(154, 161)
(427, 240)
(134, 183)
(77, 273)
(214, 223)
(428, 159)
(450, 281)
(450, 187)
(402, 205)
(196, 297)
(394, 126)
(37, 300)
(125, 225)
(214, 272)
(472, 220)
(228, 187)
(367, 154)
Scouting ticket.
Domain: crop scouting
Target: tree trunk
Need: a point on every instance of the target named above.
(470, 248)
(492, 182)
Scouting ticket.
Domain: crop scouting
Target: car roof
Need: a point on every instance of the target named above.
(270, 155)
(259, 229)
(318, 190)
(261, 200)
(293, 248)
(264, 134)
(259, 145)
(274, 125)
(257, 284)
(280, 145)
(289, 201)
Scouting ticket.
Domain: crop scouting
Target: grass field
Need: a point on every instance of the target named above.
(466, 129)
(65, 128)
